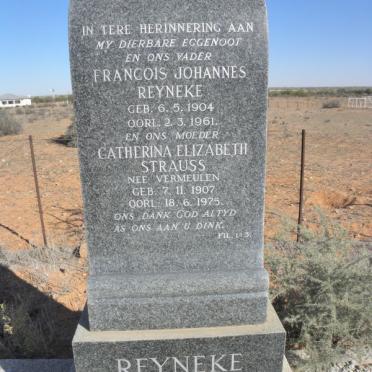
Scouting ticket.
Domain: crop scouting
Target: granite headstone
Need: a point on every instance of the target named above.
(171, 100)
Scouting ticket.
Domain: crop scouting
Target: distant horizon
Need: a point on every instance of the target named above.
(277, 87)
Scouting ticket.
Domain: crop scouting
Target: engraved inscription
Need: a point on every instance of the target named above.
(175, 131)
(196, 363)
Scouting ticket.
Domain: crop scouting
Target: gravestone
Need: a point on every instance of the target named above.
(171, 100)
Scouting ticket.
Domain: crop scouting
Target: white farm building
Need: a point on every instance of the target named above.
(10, 100)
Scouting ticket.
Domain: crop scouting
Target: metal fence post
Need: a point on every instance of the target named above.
(38, 195)
(302, 184)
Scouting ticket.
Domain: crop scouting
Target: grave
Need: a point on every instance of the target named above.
(171, 100)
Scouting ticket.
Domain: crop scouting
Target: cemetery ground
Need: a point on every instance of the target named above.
(337, 182)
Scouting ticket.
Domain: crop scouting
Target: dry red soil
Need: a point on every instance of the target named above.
(337, 179)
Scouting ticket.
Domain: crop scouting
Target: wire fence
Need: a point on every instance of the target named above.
(59, 207)
(56, 191)
(307, 103)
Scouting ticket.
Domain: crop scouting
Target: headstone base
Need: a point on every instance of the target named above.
(245, 348)
(157, 301)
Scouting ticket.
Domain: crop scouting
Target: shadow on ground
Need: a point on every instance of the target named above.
(32, 324)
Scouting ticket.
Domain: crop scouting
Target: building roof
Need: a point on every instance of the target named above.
(9, 96)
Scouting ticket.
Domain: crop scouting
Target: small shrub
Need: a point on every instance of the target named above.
(28, 110)
(321, 291)
(41, 113)
(32, 118)
(8, 125)
(71, 135)
(23, 334)
(332, 104)
(33, 324)
(69, 139)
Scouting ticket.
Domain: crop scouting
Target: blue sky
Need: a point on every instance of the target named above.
(312, 43)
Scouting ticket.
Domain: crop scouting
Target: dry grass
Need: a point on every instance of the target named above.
(35, 321)
(24, 334)
(332, 104)
(8, 125)
(41, 264)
